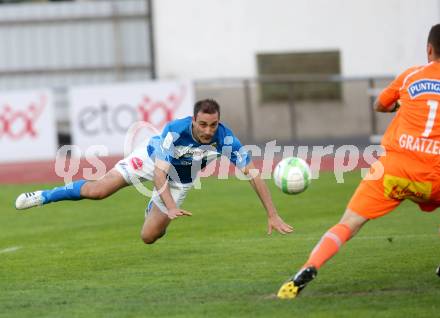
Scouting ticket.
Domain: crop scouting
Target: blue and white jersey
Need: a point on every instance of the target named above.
(177, 146)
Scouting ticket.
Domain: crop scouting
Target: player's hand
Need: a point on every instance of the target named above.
(175, 213)
(275, 222)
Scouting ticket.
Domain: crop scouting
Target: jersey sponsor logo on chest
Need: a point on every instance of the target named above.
(194, 152)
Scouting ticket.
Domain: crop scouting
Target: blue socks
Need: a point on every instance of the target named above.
(68, 192)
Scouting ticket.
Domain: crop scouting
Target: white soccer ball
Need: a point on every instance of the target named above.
(292, 175)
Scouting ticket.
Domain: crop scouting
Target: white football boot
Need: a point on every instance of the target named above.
(28, 200)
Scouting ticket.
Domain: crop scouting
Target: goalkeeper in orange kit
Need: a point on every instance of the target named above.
(409, 170)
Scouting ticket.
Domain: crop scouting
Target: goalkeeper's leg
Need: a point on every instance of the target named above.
(326, 248)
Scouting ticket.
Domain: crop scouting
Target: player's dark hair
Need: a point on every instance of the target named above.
(208, 106)
(434, 39)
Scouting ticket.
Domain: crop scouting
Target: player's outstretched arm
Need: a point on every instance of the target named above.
(274, 220)
(161, 183)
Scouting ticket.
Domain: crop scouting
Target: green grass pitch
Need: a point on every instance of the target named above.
(85, 259)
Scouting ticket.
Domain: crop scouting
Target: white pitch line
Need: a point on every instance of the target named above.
(10, 249)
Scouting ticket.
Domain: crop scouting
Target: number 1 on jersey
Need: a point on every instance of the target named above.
(433, 104)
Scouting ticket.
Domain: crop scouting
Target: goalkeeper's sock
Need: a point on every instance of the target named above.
(71, 191)
(329, 245)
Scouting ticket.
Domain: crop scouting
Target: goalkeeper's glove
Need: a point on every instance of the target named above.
(395, 108)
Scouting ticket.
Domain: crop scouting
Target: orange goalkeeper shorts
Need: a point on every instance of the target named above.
(392, 179)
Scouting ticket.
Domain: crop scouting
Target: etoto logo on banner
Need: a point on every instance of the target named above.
(27, 126)
(102, 115)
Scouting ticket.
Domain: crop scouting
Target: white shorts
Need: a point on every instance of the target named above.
(138, 167)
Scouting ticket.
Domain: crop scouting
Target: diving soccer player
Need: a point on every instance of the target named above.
(172, 161)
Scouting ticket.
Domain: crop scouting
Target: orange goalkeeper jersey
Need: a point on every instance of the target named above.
(415, 130)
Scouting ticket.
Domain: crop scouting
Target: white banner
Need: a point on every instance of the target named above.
(27, 126)
(102, 115)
